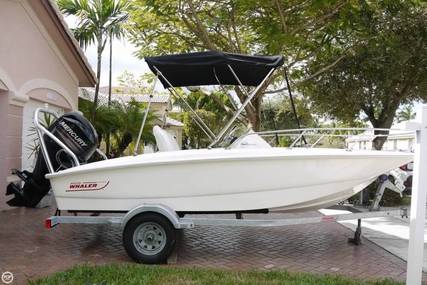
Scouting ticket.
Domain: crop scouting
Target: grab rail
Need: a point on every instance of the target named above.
(41, 130)
(330, 132)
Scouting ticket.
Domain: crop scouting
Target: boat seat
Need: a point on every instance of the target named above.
(165, 141)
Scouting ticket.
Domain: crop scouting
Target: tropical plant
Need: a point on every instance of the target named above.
(193, 136)
(98, 20)
(352, 58)
(34, 145)
(122, 121)
(131, 115)
(383, 64)
(134, 85)
(406, 113)
(106, 118)
(211, 107)
(294, 28)
(277, 114)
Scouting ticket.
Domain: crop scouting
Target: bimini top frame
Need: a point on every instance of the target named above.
(214, 68)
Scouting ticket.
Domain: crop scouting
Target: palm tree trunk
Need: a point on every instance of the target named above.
(111, 68)
(107, 138)
(98, 77)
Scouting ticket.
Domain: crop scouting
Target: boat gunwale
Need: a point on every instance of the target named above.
(212, 159)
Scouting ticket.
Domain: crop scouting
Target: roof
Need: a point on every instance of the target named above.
(89, 94)
(51, 18)
(170, 122)
(173, 122)
(212, 68)
(126, 93)
(143, 98)
(397, 132)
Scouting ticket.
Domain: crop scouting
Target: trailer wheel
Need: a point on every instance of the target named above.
(149, 238)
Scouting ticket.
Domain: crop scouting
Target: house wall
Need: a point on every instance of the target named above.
(33, 72)
(29, 56)
(177, 133)
(392, 144)
(10, 137)
(159, 108)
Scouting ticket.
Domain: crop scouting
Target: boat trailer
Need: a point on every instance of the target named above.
(165, 222)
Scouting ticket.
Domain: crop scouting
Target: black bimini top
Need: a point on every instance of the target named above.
(211, 68)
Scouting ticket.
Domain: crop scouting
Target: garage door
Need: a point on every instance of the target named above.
(29, 137)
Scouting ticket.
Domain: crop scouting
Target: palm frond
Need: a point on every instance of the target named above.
(85, 35)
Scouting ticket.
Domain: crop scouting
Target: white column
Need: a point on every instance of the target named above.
(418, 203)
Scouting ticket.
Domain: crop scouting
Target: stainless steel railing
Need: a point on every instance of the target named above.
(41, 131)
(312, 137)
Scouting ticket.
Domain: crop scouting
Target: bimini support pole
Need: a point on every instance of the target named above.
(240, 110)
(238, 80)
(135, 150)
(196, 117)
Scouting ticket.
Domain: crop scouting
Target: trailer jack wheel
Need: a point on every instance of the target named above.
(149, 238)
(357, 239)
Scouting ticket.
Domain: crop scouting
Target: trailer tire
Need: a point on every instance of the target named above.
(149, 238)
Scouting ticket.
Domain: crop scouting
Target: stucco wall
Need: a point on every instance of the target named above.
(159, 108)
(31, 68)
(29, 56)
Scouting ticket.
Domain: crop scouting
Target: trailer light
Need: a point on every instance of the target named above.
(48, 223)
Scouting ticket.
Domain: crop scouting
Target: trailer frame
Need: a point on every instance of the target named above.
(122, 220)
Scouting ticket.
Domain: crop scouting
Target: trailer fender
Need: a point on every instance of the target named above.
(163, 210)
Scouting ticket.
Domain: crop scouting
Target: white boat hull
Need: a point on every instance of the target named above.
(223, 180)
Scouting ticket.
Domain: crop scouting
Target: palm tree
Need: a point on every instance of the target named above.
(407, 113)
(127, 134)
(106, 118)
(117, 31)
(97, 21)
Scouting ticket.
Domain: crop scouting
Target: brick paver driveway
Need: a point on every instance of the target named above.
(29, 250)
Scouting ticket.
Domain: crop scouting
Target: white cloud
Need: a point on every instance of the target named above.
(123, 57)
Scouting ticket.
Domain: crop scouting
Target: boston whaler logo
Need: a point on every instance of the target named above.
(87, 186)
(73, 134)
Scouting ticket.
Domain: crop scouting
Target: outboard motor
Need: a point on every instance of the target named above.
(78, 134)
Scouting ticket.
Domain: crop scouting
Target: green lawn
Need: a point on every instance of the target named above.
(139, 274)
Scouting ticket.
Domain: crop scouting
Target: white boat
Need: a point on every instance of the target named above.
(218, 180)
(249, 175)
(154, 191)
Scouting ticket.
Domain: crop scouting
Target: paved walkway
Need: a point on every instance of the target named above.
(390, 233)
(29, 251)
